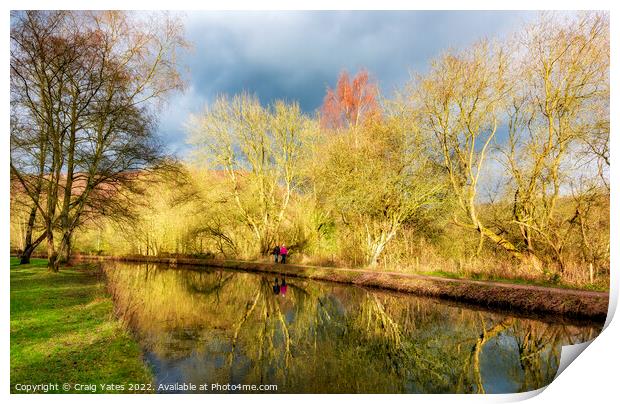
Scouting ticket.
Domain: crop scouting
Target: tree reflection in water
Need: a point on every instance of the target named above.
(211, 326)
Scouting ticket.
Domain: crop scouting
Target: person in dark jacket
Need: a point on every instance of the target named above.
(276, 253)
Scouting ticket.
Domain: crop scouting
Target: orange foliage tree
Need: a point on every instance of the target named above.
(351, 103)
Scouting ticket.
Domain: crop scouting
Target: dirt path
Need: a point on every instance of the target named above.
(578, 292)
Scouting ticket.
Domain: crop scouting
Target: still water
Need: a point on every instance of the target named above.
(216, 327)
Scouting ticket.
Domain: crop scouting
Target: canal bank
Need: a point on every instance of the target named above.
(578, 304)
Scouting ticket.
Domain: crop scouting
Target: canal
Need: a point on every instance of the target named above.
(229, 328)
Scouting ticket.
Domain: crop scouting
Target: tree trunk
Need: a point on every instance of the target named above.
(29, 249)
(376, 246)
(65, 248)
(25, 256)
(526, 258)
(52, 255)
(375, 252)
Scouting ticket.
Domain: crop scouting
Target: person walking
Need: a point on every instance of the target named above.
(283, 253)
(276, 253)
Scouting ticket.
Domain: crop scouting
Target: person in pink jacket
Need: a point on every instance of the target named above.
(283, 253)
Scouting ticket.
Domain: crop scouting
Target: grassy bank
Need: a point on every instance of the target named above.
(63, 330)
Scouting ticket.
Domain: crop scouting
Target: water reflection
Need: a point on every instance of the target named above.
(306, 336)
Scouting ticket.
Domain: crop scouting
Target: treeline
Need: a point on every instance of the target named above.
(495, 162)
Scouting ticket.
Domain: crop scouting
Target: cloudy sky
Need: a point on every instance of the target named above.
(297, 55)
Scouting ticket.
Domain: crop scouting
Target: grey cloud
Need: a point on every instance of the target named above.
(296, 55)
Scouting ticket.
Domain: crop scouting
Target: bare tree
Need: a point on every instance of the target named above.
(87, 81)
(461, 101)
(259, 149)
(559, 108)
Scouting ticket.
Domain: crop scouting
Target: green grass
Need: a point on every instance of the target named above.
(63, 330)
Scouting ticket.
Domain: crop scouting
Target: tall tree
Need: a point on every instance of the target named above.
(88, 82)
(259, 148)
(461, 102)
(560, 106)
